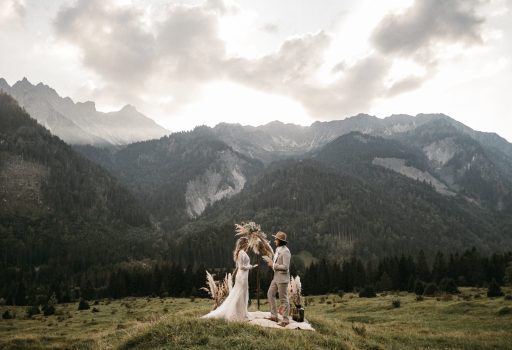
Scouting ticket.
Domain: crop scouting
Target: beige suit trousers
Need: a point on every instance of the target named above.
(282, 289)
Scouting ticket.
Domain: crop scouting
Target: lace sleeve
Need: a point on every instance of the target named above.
(244, 261)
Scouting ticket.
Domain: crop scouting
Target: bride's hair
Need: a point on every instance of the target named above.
(241, 244)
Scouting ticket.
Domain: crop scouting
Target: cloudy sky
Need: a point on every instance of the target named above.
(186, 63)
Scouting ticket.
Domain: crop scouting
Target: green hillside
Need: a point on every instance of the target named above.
(468, 321)
(59, 212)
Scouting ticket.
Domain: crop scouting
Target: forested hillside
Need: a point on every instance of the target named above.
(333, 213)
(176, 177)
(60, 214)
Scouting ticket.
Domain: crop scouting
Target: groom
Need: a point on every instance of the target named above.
(279, 284)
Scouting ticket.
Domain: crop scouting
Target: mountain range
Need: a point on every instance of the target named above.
(81, 123)
(361, 186)
(433, 186)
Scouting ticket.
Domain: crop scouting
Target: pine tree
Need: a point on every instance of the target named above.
(419, 287)
(494, 289)
(20, 298)
(367, 292)
(448, 285)
(431, 290)
(83, 304)
(422, 270)
(385, 283)
(439, 269)
(508, 274)
(49, 308)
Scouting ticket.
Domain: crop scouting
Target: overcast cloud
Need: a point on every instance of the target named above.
(428, 24)
(11, 11)
(189, 62)
(182, 50)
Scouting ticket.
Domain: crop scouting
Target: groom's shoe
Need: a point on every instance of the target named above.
(272, 318)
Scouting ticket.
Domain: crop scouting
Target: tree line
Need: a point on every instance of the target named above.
(169, 279)
(407, 273)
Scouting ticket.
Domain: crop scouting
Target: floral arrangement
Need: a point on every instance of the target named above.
(294, 291)
(258, 241)
(218, 290)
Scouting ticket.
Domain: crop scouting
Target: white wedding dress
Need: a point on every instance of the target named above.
(234, 307)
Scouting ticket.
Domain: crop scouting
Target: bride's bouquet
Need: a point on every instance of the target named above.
(218, 290)
(258, 241)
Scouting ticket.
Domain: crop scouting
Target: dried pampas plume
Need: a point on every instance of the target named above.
(258, 241)
(295, 291)
(218, 290)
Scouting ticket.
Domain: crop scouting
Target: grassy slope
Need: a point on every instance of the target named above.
(173, 324)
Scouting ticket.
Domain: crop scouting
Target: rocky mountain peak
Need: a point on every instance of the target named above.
(87, 107)
(81, 123)
(399, 118)
(129, 109)
(23, 85)
(3, 84)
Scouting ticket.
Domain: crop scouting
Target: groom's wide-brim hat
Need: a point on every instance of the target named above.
(280, 236)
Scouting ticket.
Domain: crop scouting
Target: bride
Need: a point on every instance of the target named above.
(234, 307)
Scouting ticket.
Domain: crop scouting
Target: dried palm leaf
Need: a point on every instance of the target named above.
(257, 239)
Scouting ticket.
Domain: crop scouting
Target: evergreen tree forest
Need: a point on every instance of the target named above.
(407, 273)
(163, 279)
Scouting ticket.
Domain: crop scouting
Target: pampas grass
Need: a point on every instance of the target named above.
(295, 290)
(218, 290)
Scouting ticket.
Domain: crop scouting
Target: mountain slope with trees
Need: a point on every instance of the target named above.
(177, 177)
(331, 213)
(59, 212)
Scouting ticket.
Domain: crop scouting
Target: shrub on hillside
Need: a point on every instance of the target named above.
(430, 290)
(505, 311)
(83, 304)
(8, 315)
(419, 287)
(367, 292)
(32, 310)
(494, 290)
(49, 308)
(448, 285)
(395, 303)
(447, 297)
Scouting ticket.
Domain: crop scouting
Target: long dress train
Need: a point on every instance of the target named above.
(234, 307)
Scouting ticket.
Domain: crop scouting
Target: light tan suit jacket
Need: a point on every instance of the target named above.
(282, 266)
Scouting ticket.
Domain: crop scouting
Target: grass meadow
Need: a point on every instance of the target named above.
(467, 321)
